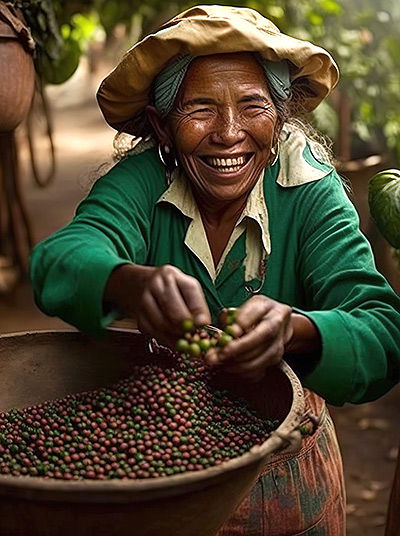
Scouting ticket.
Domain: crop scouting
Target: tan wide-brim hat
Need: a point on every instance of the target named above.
(205, 30)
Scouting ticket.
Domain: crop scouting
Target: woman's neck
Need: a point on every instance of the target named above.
(225, 213)
(219, 219)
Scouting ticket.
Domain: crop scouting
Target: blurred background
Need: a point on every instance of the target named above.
(54, 143)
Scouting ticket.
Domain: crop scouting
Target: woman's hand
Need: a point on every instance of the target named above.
(160, 298)
(266, 331)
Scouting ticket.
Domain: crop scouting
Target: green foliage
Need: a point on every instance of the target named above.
(113, 12)
(81, 28)
(58, 70)
(58, 47)
(384, 205)
(325, 119)
(364, 38)
(362, 35)
(40, 17)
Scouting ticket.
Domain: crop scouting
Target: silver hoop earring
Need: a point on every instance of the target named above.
(161, 155)
(167, 151)
(275, 152)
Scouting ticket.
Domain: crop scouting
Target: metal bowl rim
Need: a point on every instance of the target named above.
(274, 443)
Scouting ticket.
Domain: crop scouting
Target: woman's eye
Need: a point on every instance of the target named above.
(201, 113)
(255, 107)
(201, 110)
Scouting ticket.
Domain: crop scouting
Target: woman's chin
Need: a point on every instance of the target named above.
(226, 194)
(222, 187)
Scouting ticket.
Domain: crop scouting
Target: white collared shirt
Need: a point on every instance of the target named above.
(293, 171)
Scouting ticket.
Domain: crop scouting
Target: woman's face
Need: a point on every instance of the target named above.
(223, 125)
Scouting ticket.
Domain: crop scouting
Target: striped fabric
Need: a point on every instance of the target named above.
(297, 494)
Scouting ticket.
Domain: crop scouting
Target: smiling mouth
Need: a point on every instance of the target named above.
(227, 165)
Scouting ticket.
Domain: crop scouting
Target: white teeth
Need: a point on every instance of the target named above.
(228, 169)
(229, 164)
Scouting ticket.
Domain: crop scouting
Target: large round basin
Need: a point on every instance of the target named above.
(40, 366)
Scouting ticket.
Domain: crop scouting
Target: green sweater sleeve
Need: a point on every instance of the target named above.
(69, 270)
(354, 308)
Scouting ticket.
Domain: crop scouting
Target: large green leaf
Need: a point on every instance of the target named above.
(59, 70)
(384, 203)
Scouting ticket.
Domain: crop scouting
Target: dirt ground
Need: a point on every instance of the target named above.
(369, 434)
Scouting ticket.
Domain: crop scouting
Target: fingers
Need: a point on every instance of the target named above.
(272, 328)
(253, 310)
(194, 298)
(271, 354)
(267, 358)
(249, 345)
(252, 370)
(169, 298)
(153, 320)
(147, 328)
(267, 328)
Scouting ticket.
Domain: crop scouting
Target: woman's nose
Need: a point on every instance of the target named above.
(228, 129)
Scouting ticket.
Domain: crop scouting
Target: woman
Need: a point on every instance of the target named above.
(233, 208)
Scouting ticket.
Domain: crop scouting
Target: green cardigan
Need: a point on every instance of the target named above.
(320, 264)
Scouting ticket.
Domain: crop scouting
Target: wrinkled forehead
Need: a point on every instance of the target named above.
(220, 64)
(208, 72)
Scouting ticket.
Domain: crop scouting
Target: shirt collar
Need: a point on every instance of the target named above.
(297, 162)
(297, 165)
(180, 195)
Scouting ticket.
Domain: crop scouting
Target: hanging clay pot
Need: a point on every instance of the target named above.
(16, 67)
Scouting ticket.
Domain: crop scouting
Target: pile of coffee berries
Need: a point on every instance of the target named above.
(197, 341)
(165, 419)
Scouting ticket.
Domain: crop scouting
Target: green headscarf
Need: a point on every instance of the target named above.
(168, 82)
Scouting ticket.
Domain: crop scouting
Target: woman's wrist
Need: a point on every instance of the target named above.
(306, 338)
(124, 288)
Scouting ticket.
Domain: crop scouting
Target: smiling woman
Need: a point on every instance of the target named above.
(222, 128)
(233, 209)
(223, 111)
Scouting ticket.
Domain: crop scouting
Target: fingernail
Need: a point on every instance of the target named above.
(211, 358)
(201, 320)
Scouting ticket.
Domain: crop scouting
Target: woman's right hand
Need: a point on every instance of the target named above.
(160, 298)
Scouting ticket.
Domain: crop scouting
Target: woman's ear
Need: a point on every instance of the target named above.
(158, 124)
(277, 131)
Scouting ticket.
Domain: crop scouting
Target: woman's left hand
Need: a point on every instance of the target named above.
(267, 329)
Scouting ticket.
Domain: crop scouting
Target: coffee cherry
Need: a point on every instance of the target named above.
(164, 419)
(182, 346)
(205, 345)
(224, 339)
(234, 330)
(187, 325)
(194, 349)
(231, 314)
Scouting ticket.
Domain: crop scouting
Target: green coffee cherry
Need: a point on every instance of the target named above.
(187, 325)
(224, 339)
(205, 345)
(194, 349)
(231, 314)
(234, 330)
(182, 346)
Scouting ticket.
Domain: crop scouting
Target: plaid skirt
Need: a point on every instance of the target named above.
(301, 493)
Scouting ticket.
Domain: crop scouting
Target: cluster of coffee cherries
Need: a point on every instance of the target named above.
(197, 341)
(165, 419)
